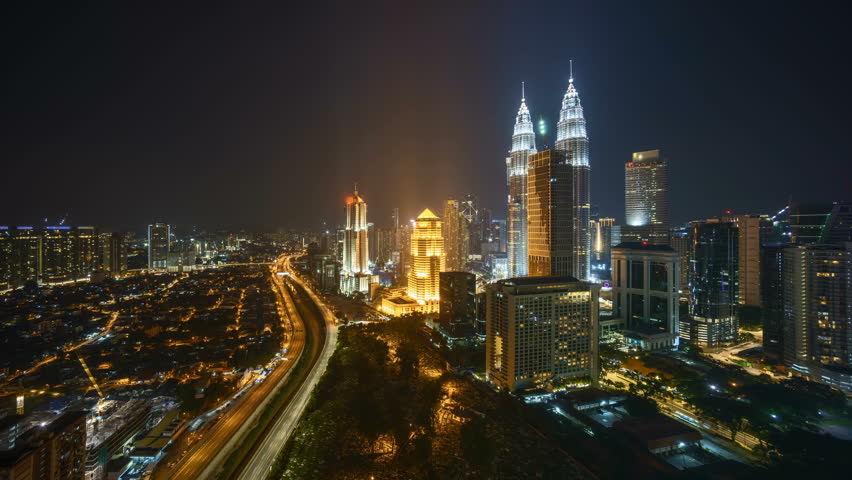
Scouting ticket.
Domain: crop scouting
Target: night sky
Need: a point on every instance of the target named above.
(122, 114)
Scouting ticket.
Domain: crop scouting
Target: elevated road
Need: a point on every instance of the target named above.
(263, 457)
(212, 448)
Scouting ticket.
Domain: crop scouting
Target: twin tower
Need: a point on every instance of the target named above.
(572, 148)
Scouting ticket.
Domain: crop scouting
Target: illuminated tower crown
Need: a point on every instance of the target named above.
(427, 257)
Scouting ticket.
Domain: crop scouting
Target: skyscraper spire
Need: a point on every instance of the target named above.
(523, 144)
(571, 138)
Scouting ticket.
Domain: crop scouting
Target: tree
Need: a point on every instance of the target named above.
(640, 406)
(476, 446)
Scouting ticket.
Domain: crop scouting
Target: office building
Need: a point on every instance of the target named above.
(356, 257)
(714, 285)
(456, 236)
(426, 263)
(680, 240)
(646, 199)
(541, 329)
(457, 316)
(772, 298)
(523, 145)
(605, 235)
(751, 234)
(427, 257)
(645, 294)
(159, 245)
(550, 215)
(572, 139)
(355, 271)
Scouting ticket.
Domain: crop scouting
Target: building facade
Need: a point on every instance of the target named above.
(817, 325)
(646, 199)
(159, 245)
(523, 145)
(572, 139)
(457, 316)
(714, 285)
(456, 236)
(540, 329)
(605, 235)
(355, 271)
(645, 294)
(550, 215)
(427, 258)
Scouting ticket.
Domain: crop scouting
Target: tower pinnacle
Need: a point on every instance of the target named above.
(571, 76)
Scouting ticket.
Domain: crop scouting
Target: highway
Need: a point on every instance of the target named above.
(212, 448)
(205, 458)
(264, 456)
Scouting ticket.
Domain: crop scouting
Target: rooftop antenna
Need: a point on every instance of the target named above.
(571, 77)
(523, 92)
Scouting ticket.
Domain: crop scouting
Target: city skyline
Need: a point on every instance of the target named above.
(705, 97)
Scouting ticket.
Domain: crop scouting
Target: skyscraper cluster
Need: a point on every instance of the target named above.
(56, 254)
(572, 143)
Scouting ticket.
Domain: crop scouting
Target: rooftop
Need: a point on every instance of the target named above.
(644, 246)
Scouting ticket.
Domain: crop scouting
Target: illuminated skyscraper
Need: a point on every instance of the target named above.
(571, 138)
(523, 145)
(456, 236)
(427, 258)
(355, 273)
(550, 214)
(159, 241)
(604, 237)
(355, 247)
(646, 199)
(714, 285)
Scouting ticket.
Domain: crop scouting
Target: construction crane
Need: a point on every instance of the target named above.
(89, 373)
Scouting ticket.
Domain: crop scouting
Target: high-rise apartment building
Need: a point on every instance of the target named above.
(456, 236)
(57, 254)
(817, 325)
(523, 145)
(457, 315)
(159, 244)
(572, 139)
(550, 215)
(646, 199)
(540, 329)
(56, 451)
(427, 257)
(112, 255)
(714, 285)
(645, 294)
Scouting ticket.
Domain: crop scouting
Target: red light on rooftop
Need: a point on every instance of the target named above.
(728, 212)
(644, 244)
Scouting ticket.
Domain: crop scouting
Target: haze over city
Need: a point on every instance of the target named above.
(341, 241)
